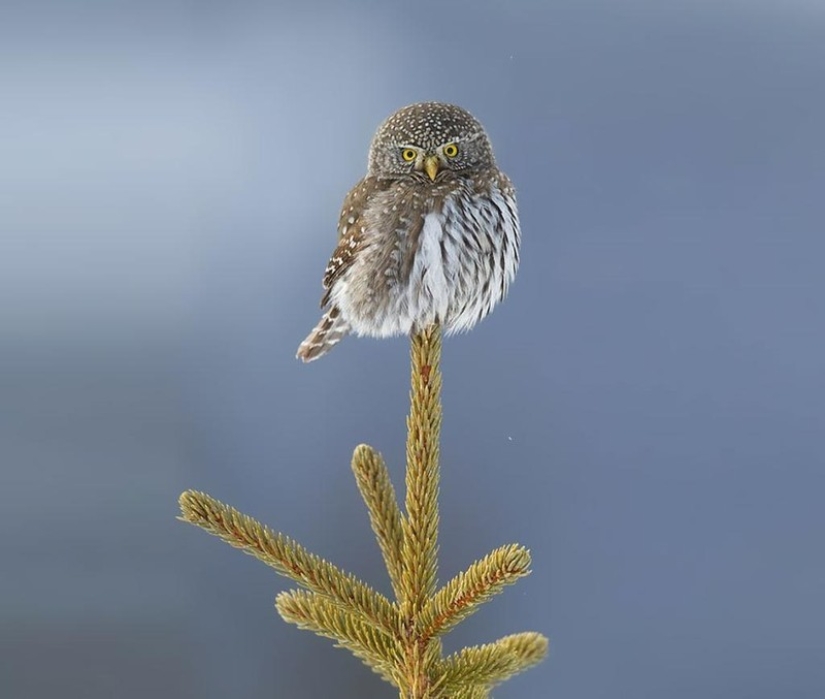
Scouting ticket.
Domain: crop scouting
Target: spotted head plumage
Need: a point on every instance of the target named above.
(407, 138)
(430, 235)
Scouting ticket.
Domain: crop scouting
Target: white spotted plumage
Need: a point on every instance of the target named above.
(415, 250)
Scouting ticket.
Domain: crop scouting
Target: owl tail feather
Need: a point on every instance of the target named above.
(328, 333)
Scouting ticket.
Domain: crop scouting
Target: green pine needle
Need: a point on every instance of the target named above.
(321, 615)
(464, 594)
(423, 434)
(288, 558)
(486, 665)
(375, 485)
(399, 640)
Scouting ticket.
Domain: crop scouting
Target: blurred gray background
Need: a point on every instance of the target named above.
(645, 412)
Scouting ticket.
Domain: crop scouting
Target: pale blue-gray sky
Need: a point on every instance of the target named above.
(645, 412)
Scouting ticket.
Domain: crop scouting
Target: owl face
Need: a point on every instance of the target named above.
(429, 141)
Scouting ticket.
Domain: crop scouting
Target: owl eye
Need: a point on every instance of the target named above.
(408, 154)
(450, 150)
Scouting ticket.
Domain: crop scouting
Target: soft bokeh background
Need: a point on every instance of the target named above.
(645, 412)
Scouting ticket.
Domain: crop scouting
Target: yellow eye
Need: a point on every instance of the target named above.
(408, 154)
(450, 150)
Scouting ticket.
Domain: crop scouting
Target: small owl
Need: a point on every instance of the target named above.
(430, 235)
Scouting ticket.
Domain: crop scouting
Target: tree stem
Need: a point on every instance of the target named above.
(421, 524)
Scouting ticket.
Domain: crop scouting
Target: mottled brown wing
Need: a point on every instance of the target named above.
(350, 233)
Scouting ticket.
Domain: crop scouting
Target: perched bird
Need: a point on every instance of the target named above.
(431, 234)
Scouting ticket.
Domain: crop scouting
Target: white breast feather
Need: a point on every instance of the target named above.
(430, 286)
(453, 261)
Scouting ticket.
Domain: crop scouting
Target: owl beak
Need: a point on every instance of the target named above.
(431, 166)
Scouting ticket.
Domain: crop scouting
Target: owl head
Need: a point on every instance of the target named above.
(428, 141)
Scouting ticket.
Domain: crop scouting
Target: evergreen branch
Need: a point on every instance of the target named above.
(386, 519)
(319, 614)
(400, 642)
(422, 474)
(471, 692)
(289, 558)
(484, 666)
(465, 593)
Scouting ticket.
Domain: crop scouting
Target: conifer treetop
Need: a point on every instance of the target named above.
(399, 639)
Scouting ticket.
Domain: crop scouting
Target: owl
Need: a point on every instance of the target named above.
(430, 235)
